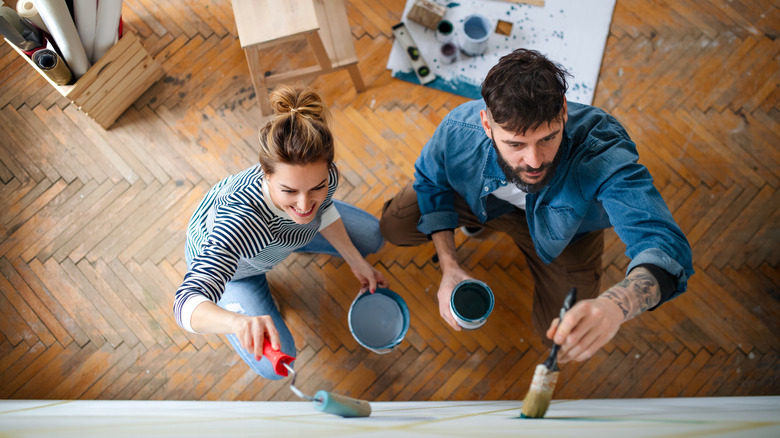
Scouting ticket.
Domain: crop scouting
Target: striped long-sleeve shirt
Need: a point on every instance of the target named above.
(236, 232)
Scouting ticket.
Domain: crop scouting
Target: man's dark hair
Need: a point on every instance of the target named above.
(524, 90)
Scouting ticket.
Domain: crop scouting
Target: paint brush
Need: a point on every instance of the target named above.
(545, 377)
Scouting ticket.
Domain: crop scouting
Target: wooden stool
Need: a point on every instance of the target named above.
(323, 23)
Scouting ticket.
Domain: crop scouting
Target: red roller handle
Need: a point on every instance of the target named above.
(277, 357)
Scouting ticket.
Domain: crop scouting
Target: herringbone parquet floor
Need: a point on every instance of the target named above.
(92, 221)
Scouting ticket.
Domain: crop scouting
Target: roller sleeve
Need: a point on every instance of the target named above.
(344, 406)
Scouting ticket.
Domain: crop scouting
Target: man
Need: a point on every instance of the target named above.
(552, 175)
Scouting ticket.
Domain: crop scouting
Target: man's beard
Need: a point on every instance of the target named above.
(513, 173)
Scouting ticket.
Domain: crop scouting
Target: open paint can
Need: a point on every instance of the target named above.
(449, 53)
(474, 34)
(379, 321)
(444, 31)
(471, 303)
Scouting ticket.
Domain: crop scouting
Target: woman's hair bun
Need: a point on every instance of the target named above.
(299, 132)
(303, 101)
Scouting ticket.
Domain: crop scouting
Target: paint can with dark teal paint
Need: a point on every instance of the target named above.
(471, 303)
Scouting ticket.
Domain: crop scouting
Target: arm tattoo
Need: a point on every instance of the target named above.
(634, 294)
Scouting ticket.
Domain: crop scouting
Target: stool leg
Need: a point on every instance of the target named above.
(319, 50)
(258, 80)
(357, 79)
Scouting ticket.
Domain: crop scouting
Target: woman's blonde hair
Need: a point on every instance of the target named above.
(299, 133)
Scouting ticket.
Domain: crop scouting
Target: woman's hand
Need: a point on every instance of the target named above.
(251, 332)
(368, 276)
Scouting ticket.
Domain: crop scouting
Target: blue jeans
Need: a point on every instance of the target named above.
(251, 295)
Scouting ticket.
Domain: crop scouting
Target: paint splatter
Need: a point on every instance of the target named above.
(548, 30)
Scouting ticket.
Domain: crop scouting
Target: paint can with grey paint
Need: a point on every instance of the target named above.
(379, 321)
(474, 34)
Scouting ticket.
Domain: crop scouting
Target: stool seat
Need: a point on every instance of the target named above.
(262, 24)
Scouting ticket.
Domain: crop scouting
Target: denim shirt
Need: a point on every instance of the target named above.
(598, 184)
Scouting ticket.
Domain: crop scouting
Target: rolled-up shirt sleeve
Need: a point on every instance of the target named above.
(639, 214)
(435, 195)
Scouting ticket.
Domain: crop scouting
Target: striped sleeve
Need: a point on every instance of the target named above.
(237, 232)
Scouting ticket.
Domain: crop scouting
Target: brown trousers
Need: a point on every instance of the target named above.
(578, 266)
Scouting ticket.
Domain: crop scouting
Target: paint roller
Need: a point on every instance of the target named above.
(323, 401)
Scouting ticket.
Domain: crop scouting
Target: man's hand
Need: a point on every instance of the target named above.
(451, 273)
(448, 282)
(590, 324)
(586, 327)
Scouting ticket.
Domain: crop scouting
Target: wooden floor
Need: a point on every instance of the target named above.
(92, 221)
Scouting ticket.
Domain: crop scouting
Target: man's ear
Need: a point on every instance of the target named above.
(565, 111)
(485, 118)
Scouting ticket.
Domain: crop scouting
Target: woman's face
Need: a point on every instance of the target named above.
(299, 189)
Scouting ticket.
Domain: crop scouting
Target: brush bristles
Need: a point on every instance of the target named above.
(539, 394)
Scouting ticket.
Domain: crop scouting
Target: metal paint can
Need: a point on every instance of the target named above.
(445, 31)
(449, 53)
(474, 34)
(471, 303)
(379, 321)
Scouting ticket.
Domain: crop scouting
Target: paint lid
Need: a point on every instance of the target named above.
(379, 321)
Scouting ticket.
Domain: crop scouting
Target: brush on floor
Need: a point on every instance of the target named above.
(545, 377)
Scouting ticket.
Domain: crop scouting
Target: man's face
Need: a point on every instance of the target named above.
(528, 160)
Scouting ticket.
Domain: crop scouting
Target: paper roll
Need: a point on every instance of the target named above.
(27, 30)
(107, 29)
(54, 67)
(27, 9)
(12, 17)
(57, 18)
(85, 14)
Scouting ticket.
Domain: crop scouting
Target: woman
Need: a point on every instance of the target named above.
(251, 221)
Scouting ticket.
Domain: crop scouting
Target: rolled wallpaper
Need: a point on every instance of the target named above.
(109, 13)
(57, 19)
(85, 12)
(27, 9)
(53, 66)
